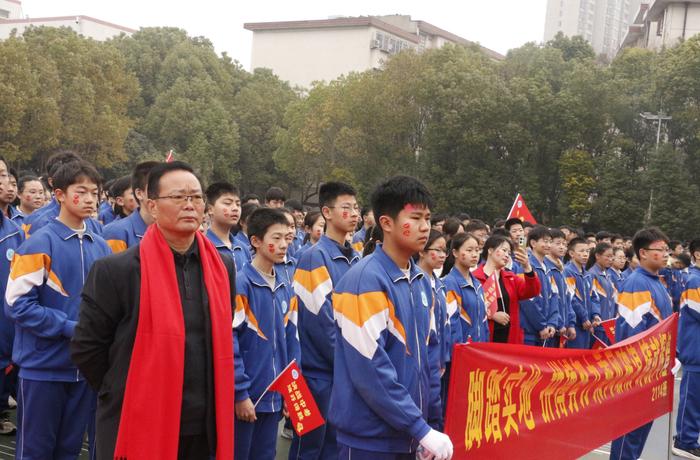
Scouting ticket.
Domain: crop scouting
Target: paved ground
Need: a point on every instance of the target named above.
(656, 447)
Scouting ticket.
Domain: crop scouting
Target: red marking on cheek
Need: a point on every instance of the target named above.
(406, 233)
(434, 256)
(76, 199)
(271, 248)
(406, 226)
(345, 214)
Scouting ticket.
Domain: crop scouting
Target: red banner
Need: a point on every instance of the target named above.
(515, 401)
(301, 404)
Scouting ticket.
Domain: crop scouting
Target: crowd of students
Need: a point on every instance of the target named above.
(369, 301)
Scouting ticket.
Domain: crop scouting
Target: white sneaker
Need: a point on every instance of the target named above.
(686, 453)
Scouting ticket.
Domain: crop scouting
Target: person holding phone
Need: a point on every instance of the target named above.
(504, 324)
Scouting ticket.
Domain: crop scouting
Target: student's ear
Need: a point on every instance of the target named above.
(325, 212)
(386, 223)
(255, 242)
(120, 200)
(59, 194)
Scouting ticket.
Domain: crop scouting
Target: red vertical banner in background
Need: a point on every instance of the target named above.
(515, 401)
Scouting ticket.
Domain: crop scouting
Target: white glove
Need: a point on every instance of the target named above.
(676, 367)
(438, 444)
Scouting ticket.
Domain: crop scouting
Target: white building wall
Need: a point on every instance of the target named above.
(82, 26)
(673, 24)
(10, 9)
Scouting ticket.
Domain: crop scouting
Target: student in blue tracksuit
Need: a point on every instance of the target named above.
(385, 387)
(516, 232)
(314, 224)
(297, 210)
(688, 419)
(603, 292)
(265, 339)
(125, 233)
(224, 209)
(578, 288)
(319, 269)
(54, 402)
(618, 267)
(241, 235)
(430, 260)
(555, 264)
(358, 239)
(31, 198)
(465, 298)
(540, 315)
(637, 314)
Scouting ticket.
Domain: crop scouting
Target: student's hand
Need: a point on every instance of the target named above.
(571, 333)
(562, 331)
(438, 444)
(501, 318)
(245, 411)
(442, 372)
(586, 325)
(597, 321)
(520, 255)
(552, 331)
(544, 333)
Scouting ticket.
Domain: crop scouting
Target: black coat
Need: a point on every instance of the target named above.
(104, 337)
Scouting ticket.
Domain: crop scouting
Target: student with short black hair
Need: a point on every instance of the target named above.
(540, 315)
(642, 303)
(30, 191)
(603, 237)
(125, 233)
(123, 195)
(242, 234)
(265, 337)
(383, 317)
(479, 229)
(105, 211)
(685, 443)
(297, 211)
(368, 222)
(224, 209)
(251, 198)
(55, 403)
(275, 197)
(578, 288)
(516, 230)
(8, 195)
(617, 241)
(437, 221)
(319, 269)
(603, 292)
(555, 263)
(618, 267)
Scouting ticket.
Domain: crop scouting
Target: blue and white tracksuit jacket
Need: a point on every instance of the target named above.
(125, 233)
(443, 329)
(386, 389)
(689, 323)
(542, 311)
(264, 336)
(237, 252)
(11, 237)
(603, 293)
(43, 297)
(465, 308)
(320, 268)
(567, 317)
(49, 213)
(578, 288)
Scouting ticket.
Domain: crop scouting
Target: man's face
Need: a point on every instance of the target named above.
(410, 229)
(558, 247)
(9, 191)
(618, 243)
(678, 250)
(516, 231)
(79, 199)
(32, 196)
(226, 210)
(343, 215)
(579, 254)
(275, 204)
(273, 245)
(179, 207)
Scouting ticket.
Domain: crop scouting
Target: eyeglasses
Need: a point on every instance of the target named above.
(197, 199)
(666, 250)
(347, 208)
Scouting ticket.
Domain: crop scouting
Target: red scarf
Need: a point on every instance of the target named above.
(149, 427)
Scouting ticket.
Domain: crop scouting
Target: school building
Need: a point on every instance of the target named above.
(663, 24)
(302, 52)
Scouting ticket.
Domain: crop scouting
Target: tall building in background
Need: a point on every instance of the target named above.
(603, 23)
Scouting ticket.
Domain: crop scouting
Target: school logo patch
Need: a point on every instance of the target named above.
(295, 374)
(10, 254)
(424, 298)
(284, 306)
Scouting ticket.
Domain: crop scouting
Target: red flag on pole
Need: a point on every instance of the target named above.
(301, 404)
(491, 294)
(521, 211)
(609, 327)
(169, 158)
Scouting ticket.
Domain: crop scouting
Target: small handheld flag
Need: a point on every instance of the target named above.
(301, 404)
(491, 294)
(609, 328)
(521, 211)
(169, 158)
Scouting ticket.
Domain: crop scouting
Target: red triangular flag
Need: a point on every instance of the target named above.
(597, 343)
(491, 294)
(300, 402)
(521, 211)
(609, 328)
(169, 158)
(562, 341)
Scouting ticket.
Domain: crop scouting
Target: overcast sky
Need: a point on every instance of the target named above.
(496, 24)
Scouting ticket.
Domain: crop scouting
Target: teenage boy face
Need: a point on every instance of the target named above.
(655, 256)
(273, 246)
(298, 219)
(516, 231)
(9, 191)
(411, 227)
(32, 196)
(344, 214)
(542, 246)
(579, 254)
(226, 210)
(558, 247)
(275, 204)
(179, 208)
(79, 199)
(127, 201)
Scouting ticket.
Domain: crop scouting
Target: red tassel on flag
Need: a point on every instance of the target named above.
(302, 407)
(521, 211)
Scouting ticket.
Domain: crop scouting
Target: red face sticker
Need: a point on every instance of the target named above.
(406, 233)
(406, 226)
(409, 208)
(76, 199)
(433, 255)
(271, 248)
(345, 214)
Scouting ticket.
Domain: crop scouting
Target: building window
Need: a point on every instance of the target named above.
(660, 26)
(4, 14)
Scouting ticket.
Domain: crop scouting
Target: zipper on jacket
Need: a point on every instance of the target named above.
(274, 342)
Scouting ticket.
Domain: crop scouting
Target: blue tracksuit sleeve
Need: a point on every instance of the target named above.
(243, 381)
(436, 362)
(576, 301)
(596, 300)
(363, 322)
(28, 273)
(291, 332)
(554, 318)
